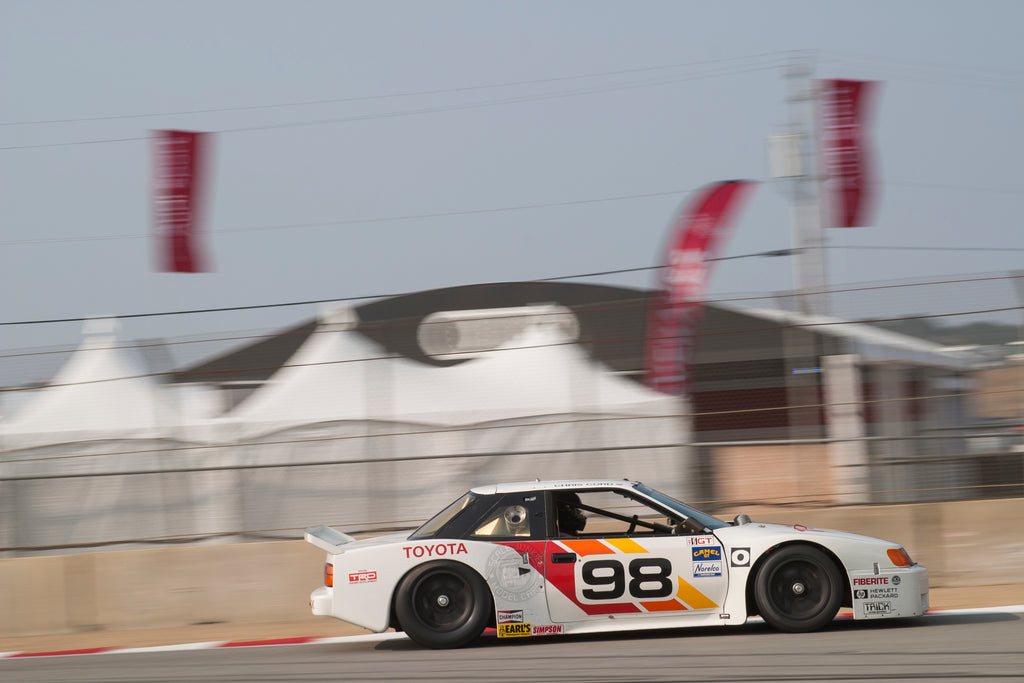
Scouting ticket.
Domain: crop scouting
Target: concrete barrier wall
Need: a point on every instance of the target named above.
(964, 543)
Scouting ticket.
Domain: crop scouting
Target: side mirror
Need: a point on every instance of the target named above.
(740, 520)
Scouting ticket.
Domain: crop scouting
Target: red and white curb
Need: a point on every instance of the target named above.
(368, 638)
(211, 644)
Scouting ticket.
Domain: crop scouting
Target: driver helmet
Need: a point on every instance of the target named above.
(571, 519)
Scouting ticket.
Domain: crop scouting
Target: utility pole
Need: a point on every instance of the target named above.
(794, 159)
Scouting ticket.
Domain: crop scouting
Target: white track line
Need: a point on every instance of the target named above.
(391, 635)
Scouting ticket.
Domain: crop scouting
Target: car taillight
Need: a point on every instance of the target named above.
(329, 575)
(899, 557)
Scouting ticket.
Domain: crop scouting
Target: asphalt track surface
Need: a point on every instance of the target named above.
(942, 647)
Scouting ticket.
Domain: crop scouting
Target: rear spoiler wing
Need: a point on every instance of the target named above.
(326, 538)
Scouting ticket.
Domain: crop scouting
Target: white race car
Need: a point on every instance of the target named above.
(561, 557)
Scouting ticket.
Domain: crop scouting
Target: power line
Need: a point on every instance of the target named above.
(923, 64)
(961, 188)
(310, 302)
(828, 55)
(431, 110)
(500, 209)
(919, 248)
(413, 93)
(361, 221)
(933, 72)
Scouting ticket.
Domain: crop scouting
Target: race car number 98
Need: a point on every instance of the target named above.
(648, 578)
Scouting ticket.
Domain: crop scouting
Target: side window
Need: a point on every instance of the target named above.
(519, 516)
(506, 521)
(608, 513)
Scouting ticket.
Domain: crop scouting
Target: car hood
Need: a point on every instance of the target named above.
(769, 531)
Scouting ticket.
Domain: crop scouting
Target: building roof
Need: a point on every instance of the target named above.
(868, 341)
(612, 330)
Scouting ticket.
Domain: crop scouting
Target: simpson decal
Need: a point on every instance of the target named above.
(548, 630)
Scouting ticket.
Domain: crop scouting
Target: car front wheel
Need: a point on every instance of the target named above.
(798, 589)
(443, 604)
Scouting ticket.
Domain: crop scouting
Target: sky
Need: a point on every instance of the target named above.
(377, 147)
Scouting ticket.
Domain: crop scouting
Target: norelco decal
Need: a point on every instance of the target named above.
(514, 630)
(739, 557)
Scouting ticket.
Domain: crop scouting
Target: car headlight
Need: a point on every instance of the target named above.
(899, 557)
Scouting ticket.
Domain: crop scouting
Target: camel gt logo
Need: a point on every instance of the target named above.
(708, 553)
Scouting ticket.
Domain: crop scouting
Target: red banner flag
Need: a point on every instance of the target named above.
(676, 307)
(178, 164)
(845, 164)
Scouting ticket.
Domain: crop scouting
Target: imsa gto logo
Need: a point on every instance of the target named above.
(514, 630)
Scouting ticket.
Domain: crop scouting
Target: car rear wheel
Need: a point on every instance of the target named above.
(798, 589)
(443, 604)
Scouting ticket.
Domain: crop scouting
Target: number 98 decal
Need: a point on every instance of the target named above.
(607, 579)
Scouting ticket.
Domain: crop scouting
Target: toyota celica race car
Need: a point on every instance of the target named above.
(563, 557)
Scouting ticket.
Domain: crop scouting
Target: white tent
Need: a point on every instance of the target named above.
(398, 437)
(339, 375)
(74, 452)
(102, 392)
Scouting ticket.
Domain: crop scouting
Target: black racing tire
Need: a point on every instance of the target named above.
(443, 604)
(798, 589)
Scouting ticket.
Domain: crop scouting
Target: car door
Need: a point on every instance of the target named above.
(617, 566)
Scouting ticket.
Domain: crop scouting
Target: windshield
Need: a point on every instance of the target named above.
(435, 523)
(707, 520)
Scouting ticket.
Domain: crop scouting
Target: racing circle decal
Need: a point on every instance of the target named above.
(512, 579)
(739, 557)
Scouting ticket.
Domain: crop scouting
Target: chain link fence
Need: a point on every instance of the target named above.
(783, 410)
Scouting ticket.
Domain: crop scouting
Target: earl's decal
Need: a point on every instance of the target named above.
(514, 630)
